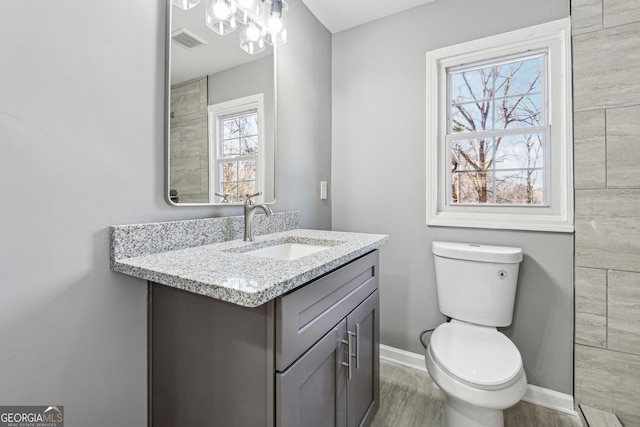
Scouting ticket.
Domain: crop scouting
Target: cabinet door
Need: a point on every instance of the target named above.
(363, 389)
(312, 391)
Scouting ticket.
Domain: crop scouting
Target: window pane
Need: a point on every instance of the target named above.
(474, 85)
(230, 148)
(249, 146)
(506, 96)
(523, 187)
(519, 77)
(230, 171)
(247, 170)
(471, 154)
(249, 125)
(519, 112)
(472, 117)
(245, 188)
(231, 190)
(520, 152)
(472, 188)
(230, 128)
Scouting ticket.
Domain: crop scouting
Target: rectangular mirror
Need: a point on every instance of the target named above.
(220, 114)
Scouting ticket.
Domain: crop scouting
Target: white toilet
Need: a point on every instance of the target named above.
(478, 368)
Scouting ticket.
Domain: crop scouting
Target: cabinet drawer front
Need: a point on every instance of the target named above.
(305, 315)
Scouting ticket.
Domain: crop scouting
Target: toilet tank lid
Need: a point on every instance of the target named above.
(475, 252)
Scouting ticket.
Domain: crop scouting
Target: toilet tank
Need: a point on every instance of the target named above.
(477, 283)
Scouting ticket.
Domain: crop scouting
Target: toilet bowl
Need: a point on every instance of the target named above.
(480, 371)
(477, 367)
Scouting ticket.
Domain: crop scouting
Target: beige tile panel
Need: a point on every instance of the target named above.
(628, 411)
(620, 12)
(204, 101)
(174, 144)
(185, 99)
(598, 418)
(593, 381)
(591, 329)
(608, 229)
(185, 176)
(591, 291)
(193, 139)
(586, 15)
(624, 311)
(609, 381)
(590, 149)
(623, 146)
(204, 175)
(605, 65)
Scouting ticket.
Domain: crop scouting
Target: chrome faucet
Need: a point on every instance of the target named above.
(249, 212)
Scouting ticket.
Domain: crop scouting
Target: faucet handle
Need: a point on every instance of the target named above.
(249, 196)
(224, 197)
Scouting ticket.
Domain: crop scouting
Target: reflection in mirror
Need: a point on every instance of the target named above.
(222, 106)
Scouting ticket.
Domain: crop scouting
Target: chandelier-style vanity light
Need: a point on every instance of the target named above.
(259, 21)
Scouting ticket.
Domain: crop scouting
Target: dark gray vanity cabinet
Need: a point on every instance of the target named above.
(284, 363)
(326, 387)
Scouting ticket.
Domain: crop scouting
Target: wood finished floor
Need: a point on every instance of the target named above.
(408, 399)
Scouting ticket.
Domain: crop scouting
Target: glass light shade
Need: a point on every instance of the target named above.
(252, 38)
(274, 15)
(221, 16)
(185, 4)
(248, 11)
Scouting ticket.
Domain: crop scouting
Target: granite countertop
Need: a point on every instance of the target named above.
(222, 271)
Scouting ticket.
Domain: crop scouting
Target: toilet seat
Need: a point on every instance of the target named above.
(479, 355)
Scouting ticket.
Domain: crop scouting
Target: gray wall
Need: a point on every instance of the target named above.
(606, 109)
(378, 179)
(81, 143)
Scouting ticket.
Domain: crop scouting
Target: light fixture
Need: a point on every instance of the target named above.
(248, 11)
(260, 21)
(185, 4)
(221, 16)
(252, 38)
(274, 16)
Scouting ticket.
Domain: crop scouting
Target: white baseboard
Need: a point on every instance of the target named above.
(537, 395)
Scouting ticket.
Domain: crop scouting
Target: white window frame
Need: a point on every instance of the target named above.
(554, 37)
(225, 109)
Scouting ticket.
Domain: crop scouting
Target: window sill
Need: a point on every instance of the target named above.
(550, 223)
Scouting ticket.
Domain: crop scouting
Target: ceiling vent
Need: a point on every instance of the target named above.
(187, 39)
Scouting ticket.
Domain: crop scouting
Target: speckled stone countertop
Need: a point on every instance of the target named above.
(223, 271)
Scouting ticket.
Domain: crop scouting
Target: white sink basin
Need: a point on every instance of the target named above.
(287, 251)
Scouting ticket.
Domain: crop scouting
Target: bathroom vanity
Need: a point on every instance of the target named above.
(238, 338)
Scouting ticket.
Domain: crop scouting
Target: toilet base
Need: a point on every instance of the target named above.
(459, 414)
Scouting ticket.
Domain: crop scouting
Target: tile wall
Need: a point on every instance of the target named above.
(606, 87)
(189, 145)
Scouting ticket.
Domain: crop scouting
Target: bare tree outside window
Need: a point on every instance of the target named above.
(497, 133)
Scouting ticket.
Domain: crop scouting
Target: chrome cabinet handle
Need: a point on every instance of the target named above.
(357, 345)
(349, 335)
(348, 362)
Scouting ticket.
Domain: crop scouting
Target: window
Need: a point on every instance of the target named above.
(497, 132)
(236, 133)
(499, 143)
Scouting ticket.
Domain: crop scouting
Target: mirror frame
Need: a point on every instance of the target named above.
(167, 119)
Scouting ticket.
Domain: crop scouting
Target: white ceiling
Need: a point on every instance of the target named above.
(338, 15)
